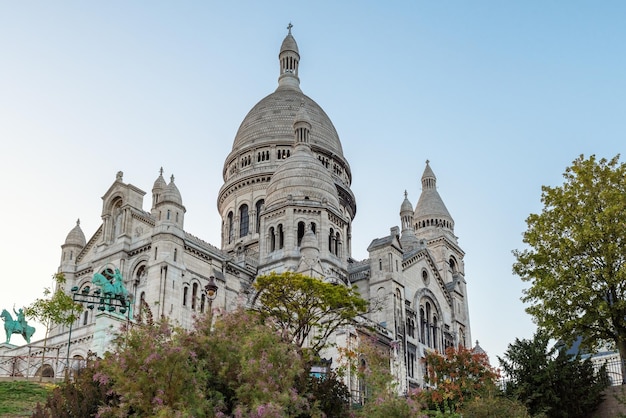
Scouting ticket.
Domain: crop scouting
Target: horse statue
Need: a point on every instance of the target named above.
(15, 327)
(111, 290)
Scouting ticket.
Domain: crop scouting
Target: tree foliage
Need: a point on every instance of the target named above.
(153, 372)
(77, 396)
(250, 367)
(370, 361)
(494, 406)
(457, 376)
(237, 367)
(550, 381)
(576, 256)
(306, 310)
(576, 260)
(56, 307)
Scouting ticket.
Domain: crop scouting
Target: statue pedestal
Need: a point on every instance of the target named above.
(108, 326)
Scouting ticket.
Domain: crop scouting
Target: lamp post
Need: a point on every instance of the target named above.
(211, 293)
(105, 302)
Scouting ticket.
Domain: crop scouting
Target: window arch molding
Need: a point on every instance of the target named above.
(426, 294)
(454, 264)
(139, 266)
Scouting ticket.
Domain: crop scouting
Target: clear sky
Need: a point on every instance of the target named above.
(500, 96)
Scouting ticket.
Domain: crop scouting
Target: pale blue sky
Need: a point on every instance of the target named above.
(500, 96)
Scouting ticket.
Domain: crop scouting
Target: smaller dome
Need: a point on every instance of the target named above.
(76, 236)
(289, 44)
(302, 178)
(406, 205)
(171, 193)
(159, 183)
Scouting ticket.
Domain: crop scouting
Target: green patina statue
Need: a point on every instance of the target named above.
(111, 286)
(18, 326)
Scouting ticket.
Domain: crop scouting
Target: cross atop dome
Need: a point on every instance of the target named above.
(289, 26)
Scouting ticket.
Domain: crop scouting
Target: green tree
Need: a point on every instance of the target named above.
(550, 381)
(457, 376)
(576, 256)
(306, 310)
(55, 308)
(494, 406)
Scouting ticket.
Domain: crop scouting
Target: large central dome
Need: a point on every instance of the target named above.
(271, 121)
(265, 141)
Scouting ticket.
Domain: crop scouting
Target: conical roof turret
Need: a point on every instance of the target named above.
(172, 194)
(430, 210)
(76, 236)
(408, 239)
(159, 183)
(406, 205)
(158, 189)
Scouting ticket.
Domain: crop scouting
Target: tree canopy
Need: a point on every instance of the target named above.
(56, 307)
(549, 381)
(306, 309)
(575, 260)
(457, 376)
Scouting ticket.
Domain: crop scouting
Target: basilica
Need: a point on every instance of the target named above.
(286, 205)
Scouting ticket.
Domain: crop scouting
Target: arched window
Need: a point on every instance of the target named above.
(281, 237)
(300, 232)
(422, 326)
(244, 221)
(380, 264)
(194, 296)
(85, 316)
(337, 244)
(428, 326)
(202, 302)
(272, 239)
(313, 227)
(453, 266)
(231, 230)
(185, 295)
(330, 240)
(175, 254)
(435, 334)
(258, 207)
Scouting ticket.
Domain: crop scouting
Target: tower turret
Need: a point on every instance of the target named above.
(408, 239)
(74, 243)
(289, 58)
(431, 213)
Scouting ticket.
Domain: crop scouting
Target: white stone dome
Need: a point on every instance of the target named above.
(76, 236)
(271, 121)
(171, 193)
(302, 177)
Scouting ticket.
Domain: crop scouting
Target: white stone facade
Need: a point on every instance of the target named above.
(286, 204)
